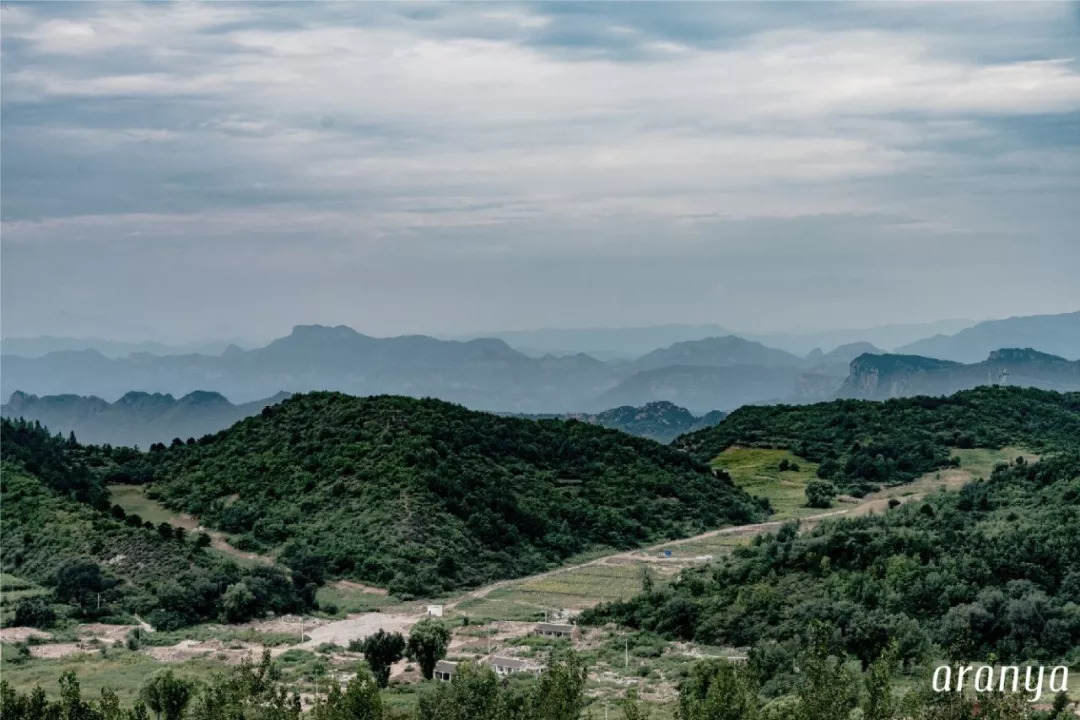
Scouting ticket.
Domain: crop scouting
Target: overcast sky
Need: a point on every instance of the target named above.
(184, 171)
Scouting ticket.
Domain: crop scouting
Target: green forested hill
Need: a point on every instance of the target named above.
(423, 494)
(862, 444)
(994, 568)
(59, 531)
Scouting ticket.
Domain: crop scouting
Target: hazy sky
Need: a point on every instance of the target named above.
(181, 171)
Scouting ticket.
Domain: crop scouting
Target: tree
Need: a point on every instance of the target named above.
(560, 692)
(78, 580)
(820, 494)
(381, 650)
(166, 695)
(238, 602)
(428, 643)
(632, 709)
(718, 690)
(826, 690)
(360, 701)
(879, 700)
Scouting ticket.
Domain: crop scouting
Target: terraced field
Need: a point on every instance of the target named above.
(13, 589)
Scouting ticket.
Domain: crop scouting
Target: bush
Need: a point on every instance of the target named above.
(34, 612)
(820, 494)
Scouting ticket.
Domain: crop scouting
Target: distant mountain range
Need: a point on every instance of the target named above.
(45, 344)
(713, 373)
(631, 342)
(1054, 334)
(137, 418)
(142, 419)
(880, 377)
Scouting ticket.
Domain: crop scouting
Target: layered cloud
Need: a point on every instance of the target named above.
(299, 143)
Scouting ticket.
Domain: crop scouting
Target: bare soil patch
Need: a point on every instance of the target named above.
(21, 634)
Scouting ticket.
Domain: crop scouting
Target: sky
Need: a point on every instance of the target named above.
(182, 171)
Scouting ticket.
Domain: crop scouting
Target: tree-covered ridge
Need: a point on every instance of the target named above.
(60, 531)
(862, 444)
(994, 568)
(423, 494)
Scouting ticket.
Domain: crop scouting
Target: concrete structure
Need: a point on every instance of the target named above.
(434, 610)
(508, 665)
(557, 630)
(444, 670)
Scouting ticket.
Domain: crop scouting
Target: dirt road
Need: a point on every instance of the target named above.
(635, 554)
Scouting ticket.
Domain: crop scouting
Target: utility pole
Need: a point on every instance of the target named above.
(626, 652)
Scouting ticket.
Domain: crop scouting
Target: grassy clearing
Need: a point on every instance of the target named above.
(12, 583)
(121, 670)
(757, 471)
(351, 600)
(980, 462)
(12, 590)
(134, 500)
(974, 463)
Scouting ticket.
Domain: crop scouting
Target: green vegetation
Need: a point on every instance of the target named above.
(775, 474)
(381, 650)
(428, 643)
(828, 688)
(992, 568)
(860, 445)
(61, 532)
(423, 496)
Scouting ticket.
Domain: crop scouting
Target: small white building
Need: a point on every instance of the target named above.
(434, 610)
(444, 670)
(509, 665)
(557, 630)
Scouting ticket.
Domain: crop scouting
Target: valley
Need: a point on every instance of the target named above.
(495, 619)
(720, 565)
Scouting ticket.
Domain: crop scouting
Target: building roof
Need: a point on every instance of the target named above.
(508, 662)
(445, 666)
(555, 627)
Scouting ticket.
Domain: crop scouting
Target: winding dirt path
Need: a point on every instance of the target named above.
(751, 529)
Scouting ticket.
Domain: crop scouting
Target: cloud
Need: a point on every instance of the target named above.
(519, 131)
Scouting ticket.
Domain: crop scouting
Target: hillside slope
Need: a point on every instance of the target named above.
(58, 522)
(422, 494)
(992, 569)
(862, 444)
